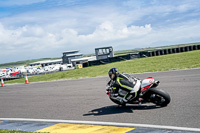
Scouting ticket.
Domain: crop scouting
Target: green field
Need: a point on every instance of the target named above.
(14, 131)
(116, 53)
(177, 61)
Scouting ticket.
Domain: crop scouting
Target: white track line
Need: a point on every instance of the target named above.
(104, 123)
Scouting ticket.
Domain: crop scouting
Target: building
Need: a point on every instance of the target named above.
(67, 58)
(46, 63)
(75, 58)
(82, 60)
(104, 52)
(69, 55)
(70, 52)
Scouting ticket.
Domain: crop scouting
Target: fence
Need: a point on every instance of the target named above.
(171, 50)
(142, 54)
(112, 59)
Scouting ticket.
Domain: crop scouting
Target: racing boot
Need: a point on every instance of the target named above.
(123, 102)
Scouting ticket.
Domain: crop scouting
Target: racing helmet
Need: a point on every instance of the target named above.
(113, 73)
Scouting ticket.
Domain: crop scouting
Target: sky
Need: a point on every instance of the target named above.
(33, 29)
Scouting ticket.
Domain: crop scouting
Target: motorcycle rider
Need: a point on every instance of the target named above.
(125, 82)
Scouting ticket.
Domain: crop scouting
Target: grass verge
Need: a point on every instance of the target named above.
(177, 61)
(13, 131)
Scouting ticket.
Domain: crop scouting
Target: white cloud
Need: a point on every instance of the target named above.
(107, 32)
(180, 33)
(27, 38)
(43, 40)
(47, 33)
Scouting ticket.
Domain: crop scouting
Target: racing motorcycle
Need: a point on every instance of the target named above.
(148, 93)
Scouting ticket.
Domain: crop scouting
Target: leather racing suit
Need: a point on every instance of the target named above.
(128, 84)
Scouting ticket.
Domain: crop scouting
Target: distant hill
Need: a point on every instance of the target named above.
(116, 53)
(134, 51)
(24, 63)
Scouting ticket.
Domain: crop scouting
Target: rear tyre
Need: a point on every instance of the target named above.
(159, 97)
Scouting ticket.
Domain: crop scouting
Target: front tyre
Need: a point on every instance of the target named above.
(117, 101)
(159, 97)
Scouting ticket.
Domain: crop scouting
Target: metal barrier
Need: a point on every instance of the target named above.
(142, 54)
(110, 60)
(173, 50)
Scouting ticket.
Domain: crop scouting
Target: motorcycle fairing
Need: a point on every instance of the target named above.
(146, 83)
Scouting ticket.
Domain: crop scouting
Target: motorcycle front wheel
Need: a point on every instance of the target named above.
(159, 97)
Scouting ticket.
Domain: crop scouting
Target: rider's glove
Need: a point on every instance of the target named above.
(108, 87)
(108, 90)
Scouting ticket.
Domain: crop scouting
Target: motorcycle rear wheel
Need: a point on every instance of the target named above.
(159, 97)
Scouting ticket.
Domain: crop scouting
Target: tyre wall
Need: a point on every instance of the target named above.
(173, 50)
(142, 54)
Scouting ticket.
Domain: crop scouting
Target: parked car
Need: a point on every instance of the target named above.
(14, 74)
(2, 72)
(66, 67)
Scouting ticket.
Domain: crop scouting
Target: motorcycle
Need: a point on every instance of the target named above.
(148, 93)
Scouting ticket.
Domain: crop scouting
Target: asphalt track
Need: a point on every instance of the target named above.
(85, 100)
